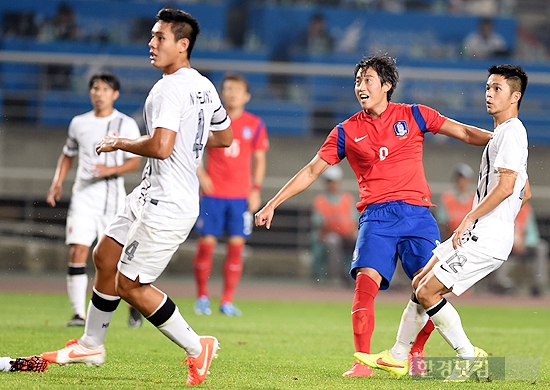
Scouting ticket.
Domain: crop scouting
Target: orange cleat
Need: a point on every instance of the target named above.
(359, 369)
(198, 367)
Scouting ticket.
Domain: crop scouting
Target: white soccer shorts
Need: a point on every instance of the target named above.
(84, 228)
(463, 267)
(149, 241)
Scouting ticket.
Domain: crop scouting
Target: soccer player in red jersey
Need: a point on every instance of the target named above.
(231, 184)
(383, 145)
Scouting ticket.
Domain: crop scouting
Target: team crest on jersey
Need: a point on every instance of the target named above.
(247, 132)
(400, 128)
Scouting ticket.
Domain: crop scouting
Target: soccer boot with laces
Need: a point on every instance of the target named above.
(198, 367)
(76, 352)
(358, 369)
(384, 361)
(417, 365)
(465, 368)
(30, 363)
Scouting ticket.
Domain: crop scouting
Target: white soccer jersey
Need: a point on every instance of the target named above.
(187, 103)
(493, 234)
(98, 195)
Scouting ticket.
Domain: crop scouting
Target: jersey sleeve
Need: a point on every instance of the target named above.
(261, 142)
(430, 120)
(332, 150)
(220, 120)
(168, 106)
(70, 148)
(509, 146)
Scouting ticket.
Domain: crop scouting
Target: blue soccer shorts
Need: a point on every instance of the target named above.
(219, 215)
(392, 230)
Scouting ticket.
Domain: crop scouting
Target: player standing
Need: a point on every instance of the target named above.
(383, 145)
(183, 114)
(482, 241)
(231, 184)
(98, 190)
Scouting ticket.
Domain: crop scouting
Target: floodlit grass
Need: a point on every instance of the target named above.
(274, 345)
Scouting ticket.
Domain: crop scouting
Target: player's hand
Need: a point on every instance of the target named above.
(254, 200)
(264, 216)
(107, 144)
(460, 230)
(101, 170)
(207, 186)
(54, 194)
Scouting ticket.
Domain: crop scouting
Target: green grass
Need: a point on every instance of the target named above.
(275, 345)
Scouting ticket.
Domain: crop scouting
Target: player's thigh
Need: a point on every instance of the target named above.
(239, 219)
(212, 217)
(376, 248)
(148, 249)
(463, 267)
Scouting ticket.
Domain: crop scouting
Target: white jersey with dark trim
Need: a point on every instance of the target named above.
(185, 102)
(493, 234)
(100, 195)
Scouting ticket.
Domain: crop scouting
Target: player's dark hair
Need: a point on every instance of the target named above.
(386, 68)
(515, 76)
(106, 77)
(235, 77)
(184, 25)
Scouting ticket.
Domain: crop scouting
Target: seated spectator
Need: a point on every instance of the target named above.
(316, 39)
(457, 202)
(62, 27)
(528, 247)
(485, 42)
(334, 232)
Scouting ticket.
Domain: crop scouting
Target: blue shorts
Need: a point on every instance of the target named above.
(392, 230)
(219, 215)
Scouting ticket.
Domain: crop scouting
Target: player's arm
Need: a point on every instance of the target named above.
(64, 164)
(130, 165)
(469, 134)
(205, 181)
(503, 189)
(258, 175)
(294, 186)
(220, 139)
(160, 145)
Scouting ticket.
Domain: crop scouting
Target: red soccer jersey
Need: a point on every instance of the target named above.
(230, 168)
(385, 153)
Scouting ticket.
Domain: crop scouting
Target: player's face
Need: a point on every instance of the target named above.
(165, 52)
(498, 95)
(234, 94)
(103, 96)
(369, 90)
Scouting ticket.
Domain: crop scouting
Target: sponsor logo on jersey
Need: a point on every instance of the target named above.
(400, 128)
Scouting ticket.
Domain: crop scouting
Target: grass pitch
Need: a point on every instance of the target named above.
(274, 345)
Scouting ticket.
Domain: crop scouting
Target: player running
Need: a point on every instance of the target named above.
(383, 145)
(183, 114)
(482, 241)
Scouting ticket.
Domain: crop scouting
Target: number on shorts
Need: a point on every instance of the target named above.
(461, 260)
(131, 250)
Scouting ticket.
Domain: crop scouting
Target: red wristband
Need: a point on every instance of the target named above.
(257, 187)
